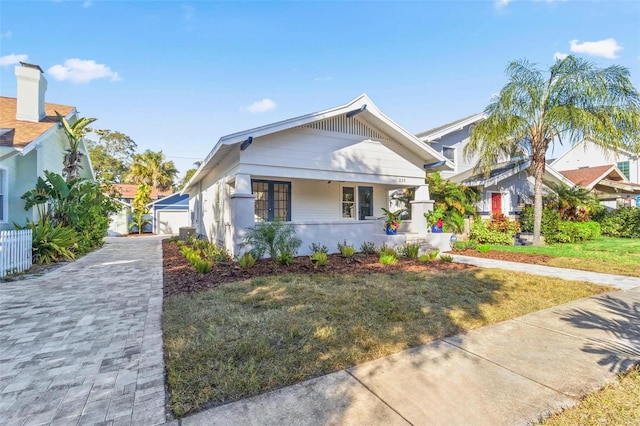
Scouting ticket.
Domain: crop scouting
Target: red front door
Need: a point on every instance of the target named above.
(496, 203)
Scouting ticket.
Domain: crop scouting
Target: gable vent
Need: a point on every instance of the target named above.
(351, 126)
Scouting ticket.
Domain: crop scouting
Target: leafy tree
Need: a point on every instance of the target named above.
(188, 175)
(75, 133)
(452, 202)
(79, 205)
(140, 209)
(151, 168)
(111, 156)
(573, 203)
(576, 101)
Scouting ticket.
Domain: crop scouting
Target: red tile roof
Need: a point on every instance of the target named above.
(586, 177)
(24, 132)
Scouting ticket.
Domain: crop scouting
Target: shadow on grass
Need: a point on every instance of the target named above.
(252, 337)
(620, 321)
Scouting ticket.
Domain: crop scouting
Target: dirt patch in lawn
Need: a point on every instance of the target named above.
(180, 277)
(538, 259)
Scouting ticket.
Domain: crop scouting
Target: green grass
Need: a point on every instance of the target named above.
(249, 337)
(609, 255)
(616, 404)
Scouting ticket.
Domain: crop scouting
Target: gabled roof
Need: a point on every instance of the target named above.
(588, 177)
(366, 111)
(130, 190)
(175, 198)
(505, 170)
(582, 145)
(18, 133)
(438, 132)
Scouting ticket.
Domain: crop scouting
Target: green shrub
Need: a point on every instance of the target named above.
(285, 258)
(472, 244)
(389, 251)
(571, 232)
(346, 250)
(410, 250)
(319, 259)
(388, 259)
(321, 248)
(446, 258)
(623, 222)
(246, 261)
(424, 258)
(368, 247)
(202, 266)
(51, 243)
(483, 248)
(216, 254)
(481, 233)
(548, 226)
(433, 254)
(278, 240)
(460, 246)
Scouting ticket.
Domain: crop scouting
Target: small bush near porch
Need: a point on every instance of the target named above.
(244, 338)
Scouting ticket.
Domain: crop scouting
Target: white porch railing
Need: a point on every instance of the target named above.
(15, 251)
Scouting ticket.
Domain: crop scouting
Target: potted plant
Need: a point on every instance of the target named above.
(435, 219)
(392, 221)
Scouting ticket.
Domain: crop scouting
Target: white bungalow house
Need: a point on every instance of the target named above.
(31, 142)
(608, 183)
(329, 173)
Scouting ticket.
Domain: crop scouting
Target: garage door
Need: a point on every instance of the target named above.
(170, 222)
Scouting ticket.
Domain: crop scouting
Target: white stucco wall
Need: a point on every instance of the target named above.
(587, 154)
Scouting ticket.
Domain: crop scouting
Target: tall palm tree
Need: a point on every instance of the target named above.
(151, 168)
(576, 101)
(74, 132)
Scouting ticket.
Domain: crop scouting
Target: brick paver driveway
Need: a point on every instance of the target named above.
(83, 344)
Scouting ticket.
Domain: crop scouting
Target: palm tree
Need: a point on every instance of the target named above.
(150, 168)
(576, 101)
(188, 175)
(74, 132)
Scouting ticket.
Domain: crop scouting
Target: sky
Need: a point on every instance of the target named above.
(176, 76)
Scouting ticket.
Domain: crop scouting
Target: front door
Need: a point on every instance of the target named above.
(496, 203)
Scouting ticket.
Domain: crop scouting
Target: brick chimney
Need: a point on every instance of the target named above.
(31, 88)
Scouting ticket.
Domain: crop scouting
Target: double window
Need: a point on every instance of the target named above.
(363, 202)
(273, 200)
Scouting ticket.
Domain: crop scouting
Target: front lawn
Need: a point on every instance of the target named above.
(608, 255)
(615, 404)
(245, 338)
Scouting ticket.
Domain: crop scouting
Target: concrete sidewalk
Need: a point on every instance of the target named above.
(83, 344)
(511, 373)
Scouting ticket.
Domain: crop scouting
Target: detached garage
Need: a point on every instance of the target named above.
(170, 214)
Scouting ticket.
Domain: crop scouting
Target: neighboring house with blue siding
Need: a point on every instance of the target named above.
(31, 142)
(170, 214)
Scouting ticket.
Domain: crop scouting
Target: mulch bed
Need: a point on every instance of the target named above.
(180, 277)
(537, 259)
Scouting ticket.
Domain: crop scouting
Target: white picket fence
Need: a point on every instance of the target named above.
(15, 251)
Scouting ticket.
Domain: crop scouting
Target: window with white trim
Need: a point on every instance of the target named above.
(624, 168)
(273, 200)
(348, 202)
(449, 153)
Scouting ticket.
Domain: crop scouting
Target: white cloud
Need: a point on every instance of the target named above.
(82, 71)
(12, 59)
(6, 34)
(501, 4)
(323, 78)
(260, 106)
(605, 48)
(560, 55)
(87, 3)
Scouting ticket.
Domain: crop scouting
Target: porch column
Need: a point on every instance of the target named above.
(419, 206)
(241, 204)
